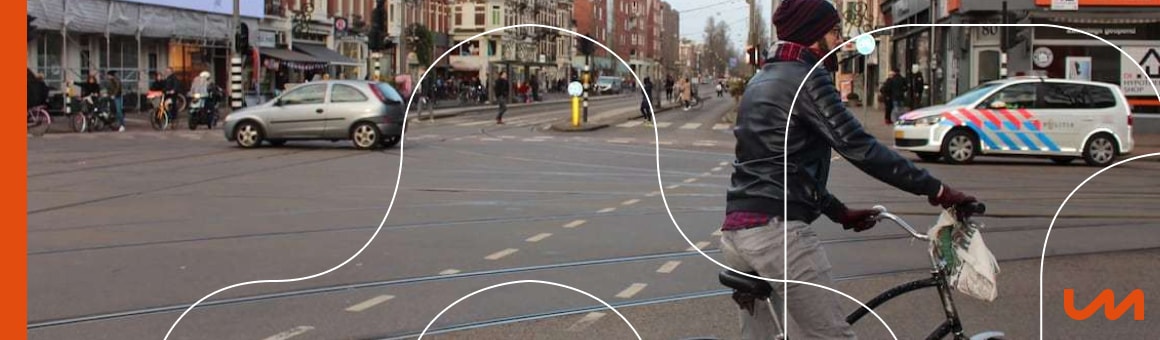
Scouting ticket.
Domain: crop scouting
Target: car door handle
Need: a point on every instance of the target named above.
(318, 111)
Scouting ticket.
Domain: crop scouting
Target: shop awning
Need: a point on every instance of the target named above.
(288, 55)
(325, 54)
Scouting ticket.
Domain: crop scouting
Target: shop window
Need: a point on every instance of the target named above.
(48, 59)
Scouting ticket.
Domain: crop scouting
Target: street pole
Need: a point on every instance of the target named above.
(235, 60)
(930, 64)
(753, 27)
(584, 78)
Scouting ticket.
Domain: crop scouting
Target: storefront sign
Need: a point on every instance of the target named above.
(267, 39)
(1132, 81)
(1106, 31)
(1079, 68)
(1042, 57)
(340, 26)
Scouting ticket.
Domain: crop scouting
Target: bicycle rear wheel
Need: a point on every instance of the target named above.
(79, 122)
(159, 120)
(41, 120)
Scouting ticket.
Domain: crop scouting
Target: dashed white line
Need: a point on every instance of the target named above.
(662, 142)
(674, 186)
(630, 124)
(508, 137)
(631, 290)
(664, 124)
(449, 272)
(539, 237)
(630, 202)
(706, 174)
(723, 163)
(699, 245)
(293, 332)
(361, 306)
(489, 139)
(606, 210)
(501, 254)
(690, 180)
(620, 140)
(721, 126)
(585, 321)
(718, 169)
(668, 267)
(690, 126)
(574, 224)
(704, 143)
(652, 194)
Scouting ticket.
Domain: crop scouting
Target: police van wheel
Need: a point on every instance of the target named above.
(960, 147)
(1100, 150)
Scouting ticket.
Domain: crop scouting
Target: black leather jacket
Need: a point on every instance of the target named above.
(820, 123)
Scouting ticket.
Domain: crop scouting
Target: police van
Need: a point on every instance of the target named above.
(1026, 116)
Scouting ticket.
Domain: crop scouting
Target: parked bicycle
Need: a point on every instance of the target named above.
(95, 114)
(746, 290)
(39, 120)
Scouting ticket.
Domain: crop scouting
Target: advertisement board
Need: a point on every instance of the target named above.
(249, 8)
(1132, 81)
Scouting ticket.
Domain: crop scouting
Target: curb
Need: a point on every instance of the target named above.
(567, 127)
(628, 114)
(447, 113)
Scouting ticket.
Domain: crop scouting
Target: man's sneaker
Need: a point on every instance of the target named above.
(122, 129)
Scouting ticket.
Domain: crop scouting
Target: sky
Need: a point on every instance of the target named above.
(694, 14)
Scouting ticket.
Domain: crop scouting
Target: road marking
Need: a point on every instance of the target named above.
(489, 139)
(508, 137)
(723, 163)
(574, 224)
(721, 126)
(652, 194)
(293, 332)
(475, 123)
(690, 180)
(456, 139)
(634, 123)
(717, 169)
(361, 306)
(630, 202)
(631, 290)
(539, 237)
(690, 126)
(674, 186)
(534, 140)
(717, 232)
(449, 272)
(699, 245)
(668, 267)
(501, 254)
(620, 140)
(606, 210)
(585, 321)
(704, 143)
(664, 124)
(706, 174)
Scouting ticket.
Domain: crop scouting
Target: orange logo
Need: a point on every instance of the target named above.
(1107, 300)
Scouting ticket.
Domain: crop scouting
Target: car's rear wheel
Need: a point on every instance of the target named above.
(928, 156)
(365, 136)
(1062, 160)
(960, 147)
(1100, 150)
(248, 135)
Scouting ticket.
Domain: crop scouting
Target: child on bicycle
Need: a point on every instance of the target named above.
(752, 233)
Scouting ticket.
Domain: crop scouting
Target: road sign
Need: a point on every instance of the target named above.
(575, 89)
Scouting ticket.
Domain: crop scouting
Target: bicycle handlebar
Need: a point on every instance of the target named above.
(965, 211)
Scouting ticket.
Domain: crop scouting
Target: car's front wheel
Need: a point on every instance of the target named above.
(248, 135)
(365, 135)
(959, 147)
(1100, 150)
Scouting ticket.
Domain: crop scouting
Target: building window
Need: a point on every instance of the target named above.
(458, 18)
(495, 15)
(48, 58)
(491, 48)
(480, 19)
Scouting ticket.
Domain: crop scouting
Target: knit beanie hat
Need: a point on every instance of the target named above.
(804, 21)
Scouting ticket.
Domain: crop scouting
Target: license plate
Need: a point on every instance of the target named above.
(898, 134)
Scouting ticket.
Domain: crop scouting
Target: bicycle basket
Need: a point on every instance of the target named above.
(961, 252)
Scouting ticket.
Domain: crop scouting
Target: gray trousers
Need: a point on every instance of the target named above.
(814, 312)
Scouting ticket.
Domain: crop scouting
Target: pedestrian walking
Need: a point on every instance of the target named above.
(501, 96)
(892, 93)
(686, 92)
(720, 89)
(427, 96)
(118, 103)
(645, 107)
(669, 89)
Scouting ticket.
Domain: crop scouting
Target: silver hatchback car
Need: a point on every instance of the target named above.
(370, 114)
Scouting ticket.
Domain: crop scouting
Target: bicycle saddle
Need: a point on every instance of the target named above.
(744, 284)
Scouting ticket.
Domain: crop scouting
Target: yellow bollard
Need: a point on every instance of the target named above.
(575, 111)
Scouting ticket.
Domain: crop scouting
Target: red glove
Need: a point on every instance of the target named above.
(858, 219)
(948, 198)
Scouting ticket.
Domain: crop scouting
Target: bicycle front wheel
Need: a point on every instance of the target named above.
(160, 120)
(80, 123)
(41, 121)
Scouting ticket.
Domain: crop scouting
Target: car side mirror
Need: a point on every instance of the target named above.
(998, 105)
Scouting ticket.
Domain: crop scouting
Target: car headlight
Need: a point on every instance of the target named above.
(932, 120)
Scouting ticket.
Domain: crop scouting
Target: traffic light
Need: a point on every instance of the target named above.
(375, 38)
(1013, 36)
(585, 46)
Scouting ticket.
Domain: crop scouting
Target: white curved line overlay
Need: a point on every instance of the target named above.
(630, 326)
(1043, 255)
(785, 173)
(398, 177)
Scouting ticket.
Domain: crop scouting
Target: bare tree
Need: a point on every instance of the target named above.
(716, 50)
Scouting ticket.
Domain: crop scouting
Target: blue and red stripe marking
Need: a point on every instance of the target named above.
(984, 120)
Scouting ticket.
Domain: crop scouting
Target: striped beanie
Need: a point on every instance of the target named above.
(804, 21)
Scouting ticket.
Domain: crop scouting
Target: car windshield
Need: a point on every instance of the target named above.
(390, 93)
(973, 96)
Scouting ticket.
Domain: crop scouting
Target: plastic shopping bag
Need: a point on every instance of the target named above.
(970, 266)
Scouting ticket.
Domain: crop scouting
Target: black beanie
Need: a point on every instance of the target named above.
(804, 21)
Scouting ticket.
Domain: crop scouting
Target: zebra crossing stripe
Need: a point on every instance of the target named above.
(634, 123)
(664, 124)
(721, 126)
(690, 126)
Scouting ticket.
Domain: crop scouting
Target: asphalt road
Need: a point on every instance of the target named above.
(127, 229)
